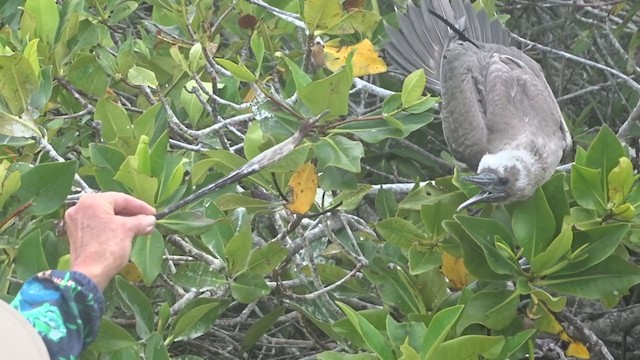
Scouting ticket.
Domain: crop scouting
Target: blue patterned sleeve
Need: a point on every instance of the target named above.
(65, 308)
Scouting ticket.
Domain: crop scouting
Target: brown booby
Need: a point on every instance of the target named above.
(499, 116)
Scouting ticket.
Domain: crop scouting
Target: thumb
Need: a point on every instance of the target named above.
(140, 224)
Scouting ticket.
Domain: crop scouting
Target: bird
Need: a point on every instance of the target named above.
(499, 116)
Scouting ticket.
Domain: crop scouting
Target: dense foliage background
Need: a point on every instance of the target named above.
(344, 242)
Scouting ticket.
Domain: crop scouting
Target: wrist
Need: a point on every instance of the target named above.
(97, 274)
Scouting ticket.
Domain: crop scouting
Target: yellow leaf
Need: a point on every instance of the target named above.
(547, 322)
(577, 350)
(304, 184)
(366, 60)
(131, 273)
(453, 268)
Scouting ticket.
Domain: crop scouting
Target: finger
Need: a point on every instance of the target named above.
(139, 224)
(126, 205)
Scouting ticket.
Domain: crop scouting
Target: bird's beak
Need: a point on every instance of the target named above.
(484, 180)
(490, 191)
(482, 196)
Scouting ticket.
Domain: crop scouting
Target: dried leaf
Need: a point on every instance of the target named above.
(455, 271)
(304, 184)
(366, 60)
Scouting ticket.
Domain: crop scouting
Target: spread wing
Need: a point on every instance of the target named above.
(421, 39)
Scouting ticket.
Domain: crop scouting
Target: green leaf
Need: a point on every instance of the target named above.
(340, 152)
(143, 77)
(350, 199)
(47, 186)
(386, 204)
(187, 222)
(603, 153)
(620, 181)
(239, 72)
(19, 80)
(145, 123)
(257, 46)
(135, 301)
(330, 93)
(155, 348)
(474, 258)
(158, 158)
(107, 161)
(248, 288)
(425, 103)
(512, 344)
(556, 197)
(594, 245)
(484, 232)
(47, 18)
(558, 248)
(172, 175)
(495, 309)
(234, 201)
(587, 189)
(147, 254)
(189, 317)
(111, 337)
(264, 259)
(362, 21)
(613, 276)
(300, 78)
(196, 275)
(371, 336)
(259, 328)
(411, 333)
(195, 57)
(321, 14)
(408, 353)
(434, 214)
(10, 183)
(438, 329)
(400, 232)
(470, 347)
(30, 258)
(533, 224)
(374, 131)
(120, 13)
(141, 185)
(238, 250)
(413, 87)
(115, 121)
(423, 260)
(30, 53)
(19, 126)
(395, 288)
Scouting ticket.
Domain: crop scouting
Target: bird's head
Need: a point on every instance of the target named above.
(506, 176)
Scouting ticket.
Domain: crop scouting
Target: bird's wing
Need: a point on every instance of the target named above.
(421, 39)
(464, 103)
(496, 98)
(523, 92)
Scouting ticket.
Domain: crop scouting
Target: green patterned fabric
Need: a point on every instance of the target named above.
(65, 308)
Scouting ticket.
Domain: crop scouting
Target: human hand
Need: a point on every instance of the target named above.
(101, 228)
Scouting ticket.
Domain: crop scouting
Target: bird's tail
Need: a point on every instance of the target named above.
(421, 39)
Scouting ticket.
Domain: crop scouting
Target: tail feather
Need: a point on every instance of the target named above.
(421, 39)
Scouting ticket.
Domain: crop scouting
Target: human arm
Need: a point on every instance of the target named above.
(65, 307)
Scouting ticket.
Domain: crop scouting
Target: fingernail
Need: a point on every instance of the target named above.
(148, 223)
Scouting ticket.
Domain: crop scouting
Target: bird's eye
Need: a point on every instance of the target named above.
(503, 181)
